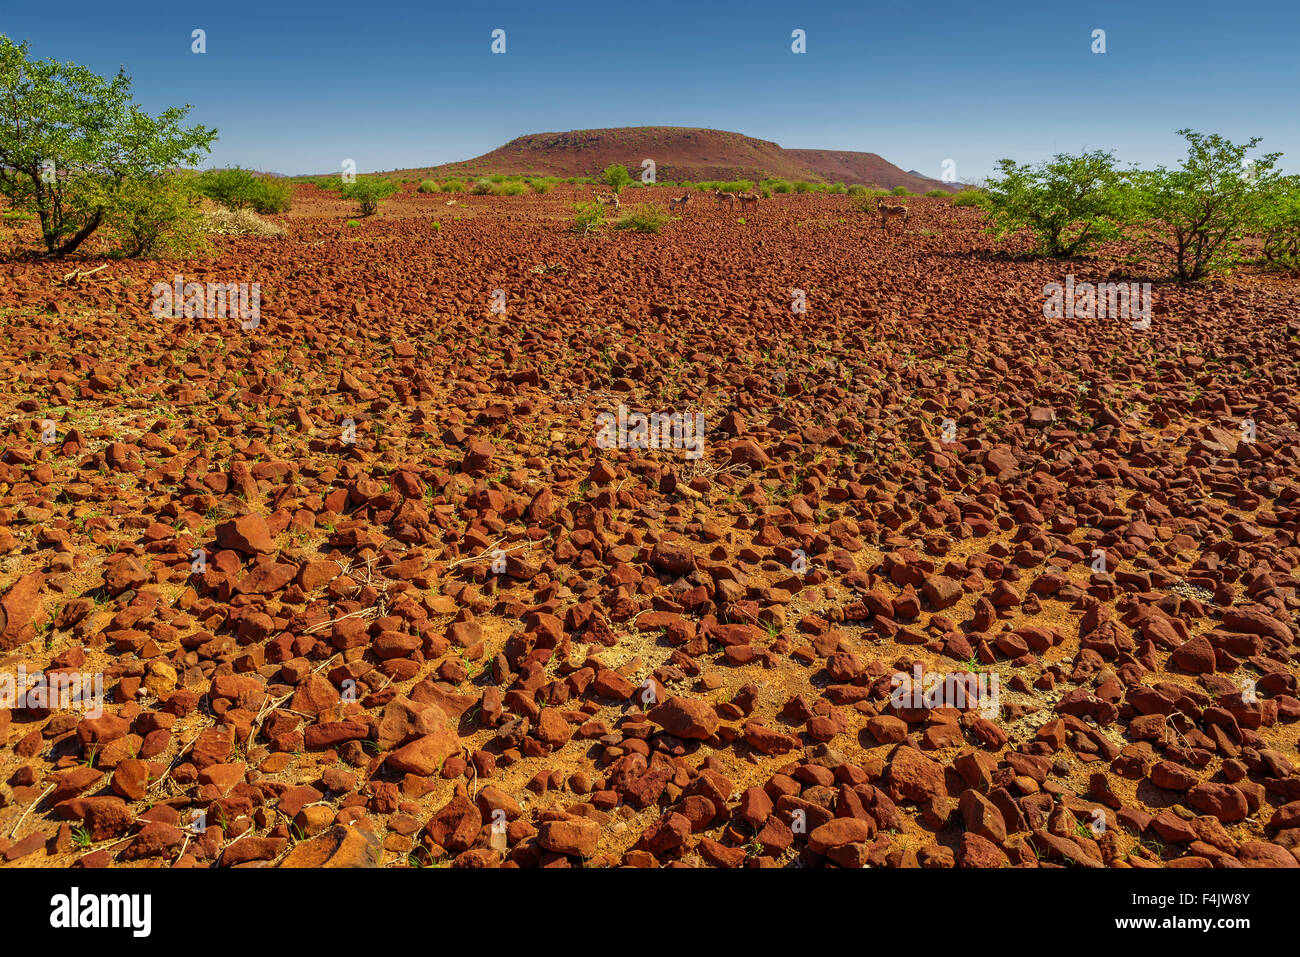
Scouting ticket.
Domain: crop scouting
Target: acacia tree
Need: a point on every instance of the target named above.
(1199, 210)
(72, 141)
(1070, 203)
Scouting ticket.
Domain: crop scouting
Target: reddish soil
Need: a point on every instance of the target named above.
(681, 154)
(649, 674)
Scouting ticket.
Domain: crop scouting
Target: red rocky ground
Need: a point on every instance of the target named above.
(350, 683)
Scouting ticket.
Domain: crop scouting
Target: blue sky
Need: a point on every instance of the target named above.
(299, 87)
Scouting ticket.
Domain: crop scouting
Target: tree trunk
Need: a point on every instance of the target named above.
(81, 235)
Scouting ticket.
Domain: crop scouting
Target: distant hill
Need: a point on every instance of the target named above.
(681, 153)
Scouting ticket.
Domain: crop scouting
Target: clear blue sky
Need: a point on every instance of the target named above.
(299, 87)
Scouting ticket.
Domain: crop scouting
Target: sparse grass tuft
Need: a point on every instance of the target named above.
(240, 222)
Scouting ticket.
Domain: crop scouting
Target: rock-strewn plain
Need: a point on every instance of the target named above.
(365, 591)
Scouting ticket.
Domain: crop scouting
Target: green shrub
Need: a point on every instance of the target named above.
(645, 218)
(238, 188)
(616, 177)
(838, 189)
(510, 189)
(938, 193)
(866, 196)
(427, 186)
(481, 187)
(353, 222)
(1070, 203)
(368, 192)
(452, 186)
(155, 217)
(901, 191)
(587, 217)
(801, 186)
(969, 197)
(1280, 226)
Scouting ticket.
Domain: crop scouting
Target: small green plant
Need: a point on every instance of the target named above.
(368, 192)
(937, 193)
(587, 217)
(481, 187)
(901, 191)
(81, 836)
(427, 186)
(353, 222)
(969, 197)
(452, 186)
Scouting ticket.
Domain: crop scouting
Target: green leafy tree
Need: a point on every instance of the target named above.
(1197, 212)
(616, 177)
(70, 140)
(368, 192)
(1070, 203)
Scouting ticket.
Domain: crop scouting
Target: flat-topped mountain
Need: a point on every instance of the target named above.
(681, 153)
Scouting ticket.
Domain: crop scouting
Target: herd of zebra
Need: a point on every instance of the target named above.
(887, 211)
